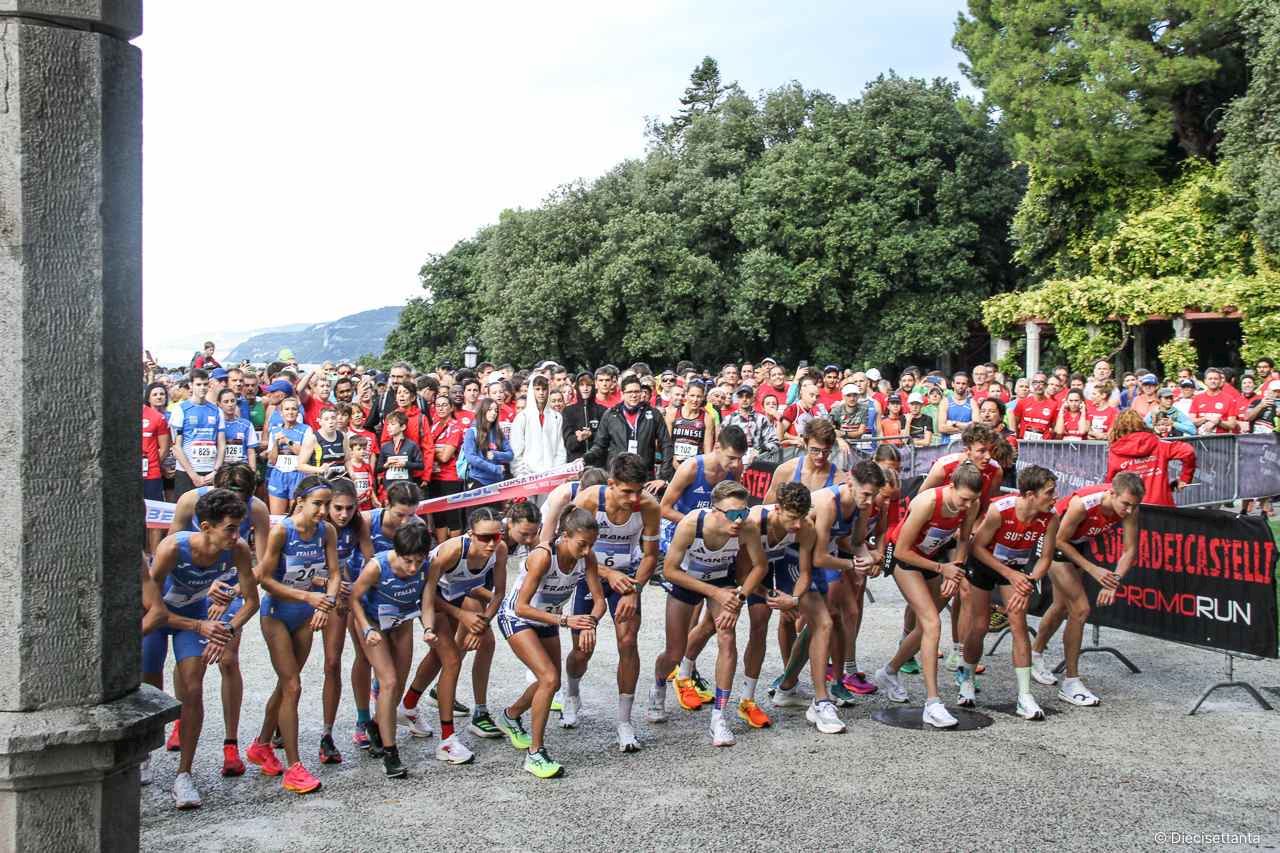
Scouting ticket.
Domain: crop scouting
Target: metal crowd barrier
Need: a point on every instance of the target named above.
(1228, 467)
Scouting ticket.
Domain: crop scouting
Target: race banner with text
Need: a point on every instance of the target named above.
(160, 513)
(1203, 577)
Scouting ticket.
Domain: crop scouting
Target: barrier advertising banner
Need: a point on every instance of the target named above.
(1203, 577)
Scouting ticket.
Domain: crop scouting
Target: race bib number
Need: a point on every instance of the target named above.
(390, 616)
(235, 453)
(286, 463)
(361, 480)
(398, 473)
(300, 576)
(683, 452)
(935, 539)
(202, 455)
(615, 557)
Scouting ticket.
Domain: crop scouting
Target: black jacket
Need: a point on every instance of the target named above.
(652, 439)
(576, 417)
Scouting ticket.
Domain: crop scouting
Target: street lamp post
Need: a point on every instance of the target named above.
(471, 355)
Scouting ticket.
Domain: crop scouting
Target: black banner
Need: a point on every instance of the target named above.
(1203, 577)
(1259, 464)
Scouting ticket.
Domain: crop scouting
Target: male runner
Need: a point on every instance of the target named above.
(1085, 515)
(626, 556)
(1009, 549)
(710, 549)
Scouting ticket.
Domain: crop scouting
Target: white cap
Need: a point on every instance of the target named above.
(849, 389)
(873, 375)
(1274, 386)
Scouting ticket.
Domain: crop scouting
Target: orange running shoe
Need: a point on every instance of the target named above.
(673, 674)
(174, 743)
(748, 710)
(299, 780)
(264, 756)
(687, 694)
(231, 763)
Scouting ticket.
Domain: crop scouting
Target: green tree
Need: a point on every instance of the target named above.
(1252, 141)
(1100, 100)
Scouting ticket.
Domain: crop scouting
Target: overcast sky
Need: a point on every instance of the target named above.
(303, 158)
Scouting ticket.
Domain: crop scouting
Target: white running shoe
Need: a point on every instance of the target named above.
(823, 715)
(953, 659)
(1074, 691)
(627, 738)
(569, 716)
(1028, 708)
(185, 795)
(454, 751)
(657, 710)
(721, 734)
(145, 774)
(890, 684)
(968, 694)
(792, 698)
(937, 715)
(1041, 672)
(406, 716)
(419, 727)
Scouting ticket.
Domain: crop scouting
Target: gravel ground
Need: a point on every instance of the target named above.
(1131, 773)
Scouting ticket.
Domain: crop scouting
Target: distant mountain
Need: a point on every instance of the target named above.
(341, 340)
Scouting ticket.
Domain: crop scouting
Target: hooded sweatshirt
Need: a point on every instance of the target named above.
(1144, 454)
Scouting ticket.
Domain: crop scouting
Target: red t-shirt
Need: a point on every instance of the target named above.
(153, 423)
(767, 390)
(311, 411)
(612, 400)
(829, 399)
(1100, 420)
(798, 416)
(362, 476)
(464, 419)
(1036, 416)
(448, 434)
(1221, 404)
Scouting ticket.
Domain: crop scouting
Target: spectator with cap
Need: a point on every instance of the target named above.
(829, 395)
(1167, 407)
(774, 386)
(762, 434)
(1144, 400)
(855, 417)
(217, 381)
(919, 423)
(874, 395)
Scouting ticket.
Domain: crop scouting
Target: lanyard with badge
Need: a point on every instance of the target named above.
(633, 432)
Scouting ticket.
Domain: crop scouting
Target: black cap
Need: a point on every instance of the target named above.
(831, 368)
(745, 389)
(1187, 383)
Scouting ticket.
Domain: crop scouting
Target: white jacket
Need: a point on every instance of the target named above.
(537, 446)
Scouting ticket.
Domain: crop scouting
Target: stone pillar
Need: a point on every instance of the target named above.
(73, 722)
(1000, 348)
(1181, 327)
(1033, 347)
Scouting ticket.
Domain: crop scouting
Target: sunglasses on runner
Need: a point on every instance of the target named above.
(485, 537)
(735, 516)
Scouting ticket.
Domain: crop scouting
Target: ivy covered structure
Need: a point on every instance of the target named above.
(1174, 285)
(1150, 229)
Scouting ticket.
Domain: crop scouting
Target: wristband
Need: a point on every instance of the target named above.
(231, 629)
(564, 621)
(368, 631)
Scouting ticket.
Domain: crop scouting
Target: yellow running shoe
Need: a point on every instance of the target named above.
(749, 711)
(687, 694)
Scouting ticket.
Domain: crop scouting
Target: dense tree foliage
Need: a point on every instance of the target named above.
(792, 223)
(1103, 101)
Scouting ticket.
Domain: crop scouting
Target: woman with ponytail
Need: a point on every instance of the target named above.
(531, 619)
(303, 546)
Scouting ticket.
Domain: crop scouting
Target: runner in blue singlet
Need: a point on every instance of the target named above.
(186, 565)
(389, 593)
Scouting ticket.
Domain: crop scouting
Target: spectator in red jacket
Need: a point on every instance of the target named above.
(1135, 448)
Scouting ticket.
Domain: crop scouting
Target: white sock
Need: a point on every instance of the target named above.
(851, 667)
(624, 707)
(686, 668)
(889, 670)
(571, 686)
(717, 714)
(749, 688)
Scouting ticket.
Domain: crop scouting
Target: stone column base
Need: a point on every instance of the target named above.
(69, 776)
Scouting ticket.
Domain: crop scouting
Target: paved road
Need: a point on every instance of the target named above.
(1110, 777)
